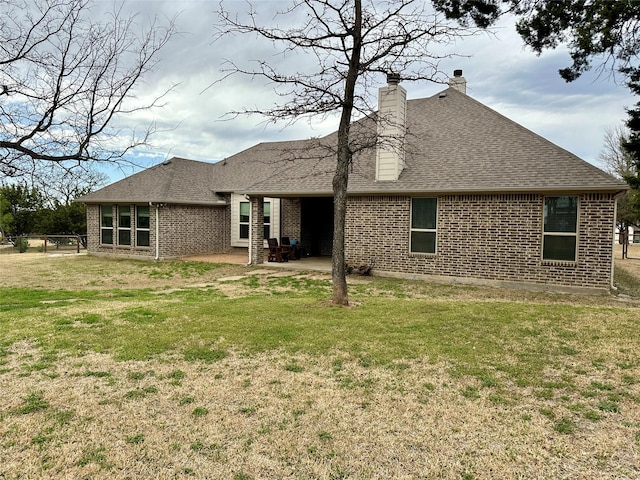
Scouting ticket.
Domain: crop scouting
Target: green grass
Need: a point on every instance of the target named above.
(200, 411)
(516, 335)
(135, 439)
(94, 455)
(565, 425)
(34, 402)
(515, 338)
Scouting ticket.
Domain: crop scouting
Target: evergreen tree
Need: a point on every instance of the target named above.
(19, 209)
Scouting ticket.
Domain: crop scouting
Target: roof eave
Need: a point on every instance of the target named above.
(443, 191)
(292, 194)
(155, 202)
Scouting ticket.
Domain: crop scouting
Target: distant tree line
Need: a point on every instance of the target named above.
(27, 210)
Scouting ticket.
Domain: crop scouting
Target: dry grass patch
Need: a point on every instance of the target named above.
(330, 418)
(33, 270)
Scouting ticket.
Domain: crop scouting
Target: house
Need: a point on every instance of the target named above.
(440, 187)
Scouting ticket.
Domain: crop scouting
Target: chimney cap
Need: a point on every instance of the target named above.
(393, 78)
(457, 73)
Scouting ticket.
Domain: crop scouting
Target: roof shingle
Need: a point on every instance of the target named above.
(454, 144)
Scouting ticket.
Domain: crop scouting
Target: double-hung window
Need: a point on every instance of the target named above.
(560, 231)
(142, 226)
(106, 224)
(267, 220)
(423, 225)
(124, 225)
(244, 220)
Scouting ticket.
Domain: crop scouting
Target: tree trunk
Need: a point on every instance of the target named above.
(339, 271)
(341, 177)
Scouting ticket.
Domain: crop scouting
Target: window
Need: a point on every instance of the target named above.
(423, 225)
(106, 224)
(560, 228)
(267, 220)
(244, 220)
(124, 225)
(142, 226)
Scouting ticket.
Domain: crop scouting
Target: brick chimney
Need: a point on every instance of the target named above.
(392, 117)
(458, 82)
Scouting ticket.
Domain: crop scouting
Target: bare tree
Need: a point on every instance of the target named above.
(616, 159)
(61, 187)
(65, 80)
(352, 45)
(621, 164)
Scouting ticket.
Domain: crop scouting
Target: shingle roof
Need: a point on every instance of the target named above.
(175, 181)
(454, 144)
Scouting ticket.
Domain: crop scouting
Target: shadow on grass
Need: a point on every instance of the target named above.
(626, 282)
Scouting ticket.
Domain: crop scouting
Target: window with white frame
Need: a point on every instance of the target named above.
(245, 209)
(106, 224)
(124, 225)
(423, 225)
(560, 230)
(244, 220)
(267, 220)
(142, 226)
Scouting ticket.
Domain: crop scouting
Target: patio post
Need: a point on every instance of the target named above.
(256, 230)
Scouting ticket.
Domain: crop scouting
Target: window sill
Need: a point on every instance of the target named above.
(559, 263)
(421, 255)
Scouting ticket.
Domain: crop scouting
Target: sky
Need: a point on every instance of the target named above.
(500, 72)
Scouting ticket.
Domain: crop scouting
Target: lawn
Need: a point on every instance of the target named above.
(129, 369)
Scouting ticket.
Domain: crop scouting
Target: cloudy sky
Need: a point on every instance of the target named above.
(499, 71)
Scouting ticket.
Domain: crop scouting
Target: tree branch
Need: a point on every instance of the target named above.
(65, 80)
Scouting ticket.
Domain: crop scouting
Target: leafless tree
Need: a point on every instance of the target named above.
(352, 45)
(621, 164)
(60, 186)
(65, 79)
(616, 160)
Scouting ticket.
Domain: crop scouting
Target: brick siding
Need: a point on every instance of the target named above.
(184, 230)
(257, 230)
(290, 217)
(483, 237)
(480, 237)
(192, 230)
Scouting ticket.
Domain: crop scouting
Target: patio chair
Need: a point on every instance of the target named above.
(276, 254)
(287, 246)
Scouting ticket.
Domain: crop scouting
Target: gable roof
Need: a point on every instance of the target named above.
(454, 144)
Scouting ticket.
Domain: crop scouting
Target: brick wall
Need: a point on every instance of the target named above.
(484, 237)
(93, 228)
(193, 230)
(290, 217)
(184, 230)
(257, 230)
